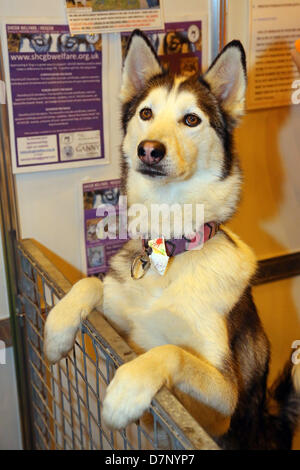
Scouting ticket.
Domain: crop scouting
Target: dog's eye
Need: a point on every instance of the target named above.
(191, 120)
(146, 114)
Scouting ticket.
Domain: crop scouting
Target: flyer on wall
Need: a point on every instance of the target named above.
(274, 28)
(179, 46)
(55, 82)
(112, 16)
(100, 244)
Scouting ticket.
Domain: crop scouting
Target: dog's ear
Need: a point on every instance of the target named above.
(227, 77)
(141, 63)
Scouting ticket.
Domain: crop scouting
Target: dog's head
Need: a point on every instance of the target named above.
(177, 145)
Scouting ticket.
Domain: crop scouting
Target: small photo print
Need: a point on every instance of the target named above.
(96, 256)
(108, 227)
(79, 3)
(91, 229)
(94, 199)
(88, 200)
(110, 196)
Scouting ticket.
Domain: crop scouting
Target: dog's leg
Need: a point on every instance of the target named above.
(64, 319)
(135, 384)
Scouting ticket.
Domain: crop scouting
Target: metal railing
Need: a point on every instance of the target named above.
(66, 398)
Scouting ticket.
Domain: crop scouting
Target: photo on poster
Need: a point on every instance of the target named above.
(108, 16)
(100, 233)
(56, 89)
(179, 46)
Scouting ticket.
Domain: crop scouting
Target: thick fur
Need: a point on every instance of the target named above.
(196, 328)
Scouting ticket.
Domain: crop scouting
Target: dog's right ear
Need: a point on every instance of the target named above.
(227, 79)
(141, 64)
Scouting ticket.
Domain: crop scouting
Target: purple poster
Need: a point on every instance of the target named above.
(179, 46)
(56, 87)
(101, 234)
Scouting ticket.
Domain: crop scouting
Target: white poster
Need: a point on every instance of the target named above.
(274, 28)
(111, 16)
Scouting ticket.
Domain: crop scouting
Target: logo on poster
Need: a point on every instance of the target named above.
(90, 148)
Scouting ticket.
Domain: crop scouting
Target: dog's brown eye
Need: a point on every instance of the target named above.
(191, 120)
(146, 114)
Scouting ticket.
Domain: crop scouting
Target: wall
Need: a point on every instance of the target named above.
(10, 434)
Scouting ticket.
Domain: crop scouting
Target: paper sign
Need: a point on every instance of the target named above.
(274, 28)
(56, 94)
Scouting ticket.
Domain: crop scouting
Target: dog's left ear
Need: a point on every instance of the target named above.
(141, 64)
(227, 77)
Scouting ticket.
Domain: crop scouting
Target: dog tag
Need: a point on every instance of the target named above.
(140, 266)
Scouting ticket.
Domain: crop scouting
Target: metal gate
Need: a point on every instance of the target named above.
(65, 399)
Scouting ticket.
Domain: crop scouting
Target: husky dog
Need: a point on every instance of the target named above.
(196, 327)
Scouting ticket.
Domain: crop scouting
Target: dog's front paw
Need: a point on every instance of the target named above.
(129, 394)
(64, 319)
(60, 330)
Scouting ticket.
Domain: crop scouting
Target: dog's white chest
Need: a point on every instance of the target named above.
(188, 306)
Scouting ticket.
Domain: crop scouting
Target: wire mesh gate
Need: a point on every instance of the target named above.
(66, 398)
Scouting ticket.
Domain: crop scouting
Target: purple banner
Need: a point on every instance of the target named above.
(56, 87)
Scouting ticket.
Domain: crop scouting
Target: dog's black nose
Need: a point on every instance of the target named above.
(151, 152)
